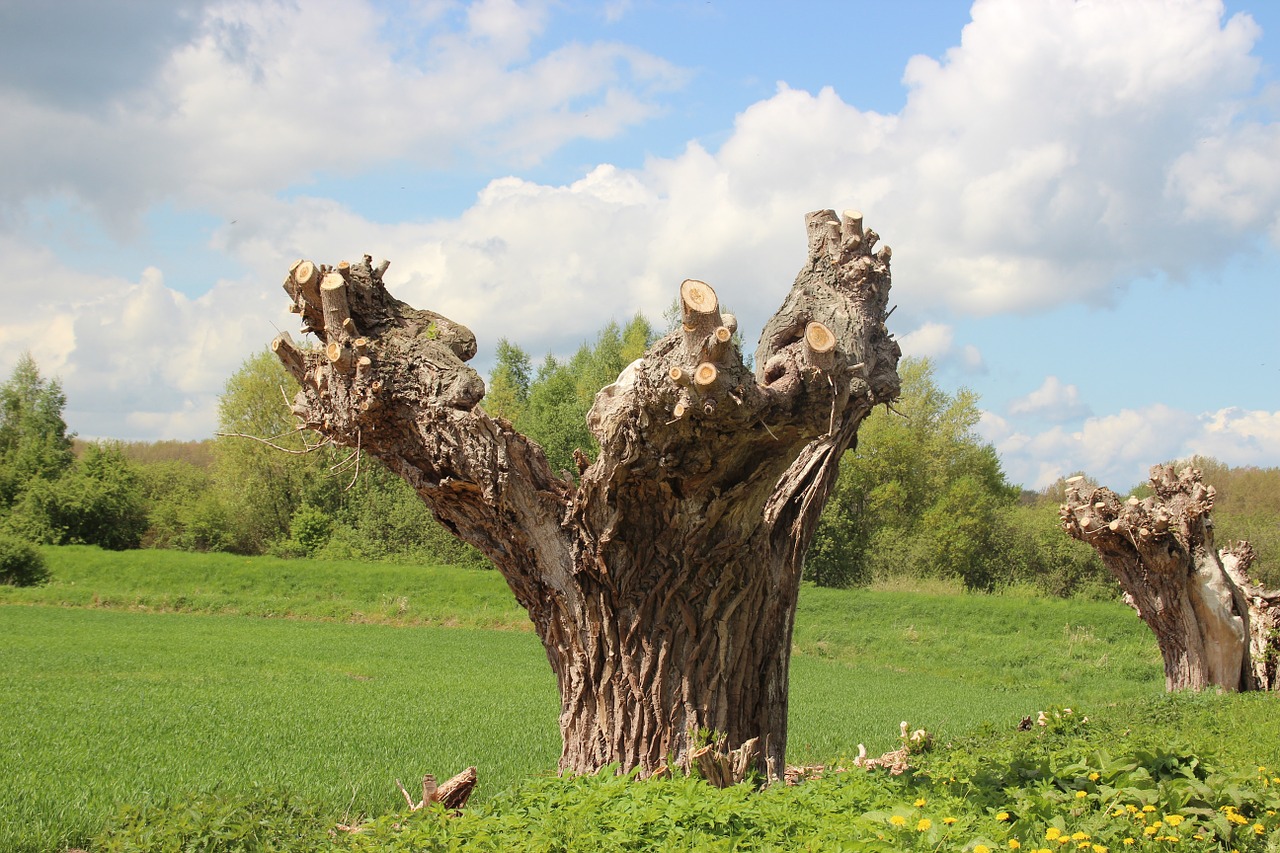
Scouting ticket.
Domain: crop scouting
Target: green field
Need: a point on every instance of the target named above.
(138, 677)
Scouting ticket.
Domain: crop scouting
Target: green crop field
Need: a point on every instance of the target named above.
(141, 677)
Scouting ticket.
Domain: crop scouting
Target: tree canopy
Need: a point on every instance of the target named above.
(34, 443)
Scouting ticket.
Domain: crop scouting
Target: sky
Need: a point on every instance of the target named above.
(1082, 196)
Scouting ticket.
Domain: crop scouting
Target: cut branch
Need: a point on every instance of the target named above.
(333, 298)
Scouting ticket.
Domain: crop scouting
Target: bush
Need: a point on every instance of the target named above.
(20, 563)
(95, 502)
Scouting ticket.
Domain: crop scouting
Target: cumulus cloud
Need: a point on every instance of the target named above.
(1058, 150)
(1052, 401)
(268, 94)
(136, 358)
(1118, 449)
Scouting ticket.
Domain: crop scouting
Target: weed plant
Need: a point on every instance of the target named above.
(1061, 787)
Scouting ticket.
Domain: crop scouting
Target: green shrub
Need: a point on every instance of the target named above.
(20, 563)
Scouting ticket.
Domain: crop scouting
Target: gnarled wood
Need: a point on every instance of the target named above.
(663, 584)
(1214, 626)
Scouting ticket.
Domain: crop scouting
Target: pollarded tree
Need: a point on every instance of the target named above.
(663, 580)
(1214, 626)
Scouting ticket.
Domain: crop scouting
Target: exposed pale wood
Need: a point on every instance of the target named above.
(698, 299)
(454, 793)
(288, 353)
(339, 356)
(334, 305)
(705, 375)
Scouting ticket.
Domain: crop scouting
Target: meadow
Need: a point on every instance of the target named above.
(148, 681)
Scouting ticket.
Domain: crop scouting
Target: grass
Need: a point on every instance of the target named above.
(105, 708)
(344, 591)
(147, 675)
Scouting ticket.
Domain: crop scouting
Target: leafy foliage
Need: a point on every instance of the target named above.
(20, 563)
(34, 444)
(922, 496)
(96, 502)
(554, 413)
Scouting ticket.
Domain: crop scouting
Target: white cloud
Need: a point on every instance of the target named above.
(1053, 401)
(136, 359)
(1058, 150)
(268, 94)
(932, 341)
(1118, 449)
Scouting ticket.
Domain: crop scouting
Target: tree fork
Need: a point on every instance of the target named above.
(662, 584)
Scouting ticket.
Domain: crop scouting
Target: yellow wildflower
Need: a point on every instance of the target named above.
(1118, 812)
(1129, 842)
(981, 848)
(1099, 848)
(1052, 832)
(919, 802)
(1237, 818)
(924, 825)
(1080, 795)
(1002, 816)
(948, 820)
(1149, 831)
(898, 820)
(1258, 829)
(1148, 808)
(1014, 844)
(1094, 777)
(1083, 845)
(1173, 819)
(1080, 836)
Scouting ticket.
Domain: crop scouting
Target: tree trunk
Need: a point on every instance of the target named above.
(663, 583)
(1213, 625)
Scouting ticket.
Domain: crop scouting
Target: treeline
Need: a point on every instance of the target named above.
(920, 496)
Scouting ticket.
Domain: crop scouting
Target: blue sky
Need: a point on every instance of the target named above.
(1083, 198)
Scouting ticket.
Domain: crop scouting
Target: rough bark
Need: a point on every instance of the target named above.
(1213, 625)
(663, 583)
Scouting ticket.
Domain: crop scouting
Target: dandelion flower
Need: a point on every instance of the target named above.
(1148, 808)
(981, 848)
(1080, 795)
(1052, 832)
(1128, 842)
(898, 820)
(919, 802)
(1002, 816)
(1258, 829)
(1014, 844)
(948, 820)
(1173, 819)
(1080, 836)
(1094, 777)
(1149, 831)
(924, 825)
